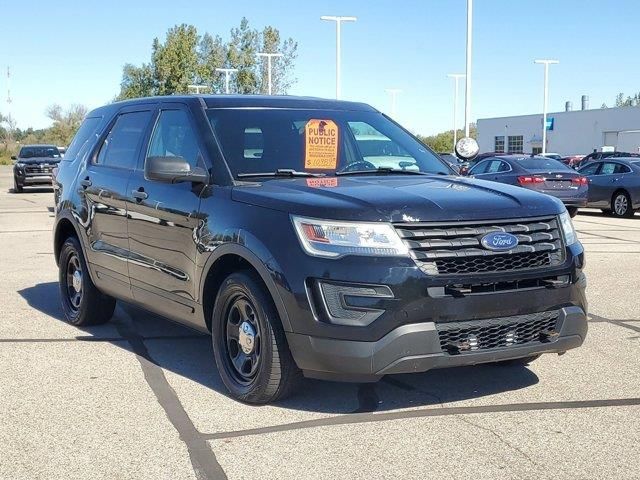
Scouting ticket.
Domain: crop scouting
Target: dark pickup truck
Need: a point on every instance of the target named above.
(34, 166)
(267, 222)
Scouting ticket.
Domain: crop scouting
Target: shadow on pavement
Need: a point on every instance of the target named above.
(188, 354)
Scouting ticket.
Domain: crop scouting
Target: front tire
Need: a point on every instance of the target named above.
(82, 303)
(17, 188)
(249, 344)
(621, 205)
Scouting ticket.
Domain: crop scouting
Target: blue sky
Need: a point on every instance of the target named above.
(72, 52)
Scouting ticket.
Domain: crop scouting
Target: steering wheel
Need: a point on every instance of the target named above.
(359, 165)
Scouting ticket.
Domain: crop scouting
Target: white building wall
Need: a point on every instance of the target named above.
(575, 132)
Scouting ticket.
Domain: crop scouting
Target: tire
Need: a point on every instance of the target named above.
(621, 205)
(606, 211)
(82, 303)
(519, 361)
(573, 211)
(16, 187)
(249, 344)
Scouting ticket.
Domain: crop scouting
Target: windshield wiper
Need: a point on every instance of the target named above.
(281, 172)
(389, 170)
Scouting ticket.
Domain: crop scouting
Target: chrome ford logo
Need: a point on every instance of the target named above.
(499, 241)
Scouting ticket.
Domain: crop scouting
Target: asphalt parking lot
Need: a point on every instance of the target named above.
(140, 397)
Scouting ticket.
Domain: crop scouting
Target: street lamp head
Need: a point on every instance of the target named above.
(548, 62)
(338, 19)
(456, 75)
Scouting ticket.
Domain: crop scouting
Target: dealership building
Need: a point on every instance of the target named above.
(568, 133)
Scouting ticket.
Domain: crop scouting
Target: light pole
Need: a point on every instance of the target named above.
(456, 77)
(467, 90)
(338, 21)
(197, 88)
(546, 64)
(269, 57)
(394, 94)
(227, 74)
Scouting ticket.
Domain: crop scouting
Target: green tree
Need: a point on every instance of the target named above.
(186, 58)
(65, 123)
(443, 142)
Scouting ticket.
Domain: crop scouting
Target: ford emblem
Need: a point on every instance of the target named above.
(499, 241)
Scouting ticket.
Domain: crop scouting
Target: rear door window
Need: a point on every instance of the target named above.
(612, 168)
(121, 146)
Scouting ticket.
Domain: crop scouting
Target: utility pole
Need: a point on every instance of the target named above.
(269, 57)
(546, 64)
(467, 90)
(456, 77)
(198, 87)
(9, 85)
(394, 94)
(338, 21)
(227, 74)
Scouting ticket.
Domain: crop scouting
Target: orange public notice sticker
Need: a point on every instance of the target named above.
(321, 145)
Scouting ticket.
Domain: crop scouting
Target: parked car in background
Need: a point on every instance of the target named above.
(555, 156)
(316, 251)
(542, 174)
(34, 166)
(595, 156)
(572, 160)
(614, 185)
(453, 161)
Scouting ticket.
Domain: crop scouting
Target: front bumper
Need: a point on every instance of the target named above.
(417, 348)
(23, 178)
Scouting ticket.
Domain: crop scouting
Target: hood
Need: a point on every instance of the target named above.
(38, 160)
(397, 198)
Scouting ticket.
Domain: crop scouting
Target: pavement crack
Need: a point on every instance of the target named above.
(203, 460)
(501, 439)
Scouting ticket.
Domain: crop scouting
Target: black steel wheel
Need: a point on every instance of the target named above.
(82, 303)
(249, 344)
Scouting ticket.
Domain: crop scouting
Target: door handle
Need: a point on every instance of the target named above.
(139, 194)
(86, 183)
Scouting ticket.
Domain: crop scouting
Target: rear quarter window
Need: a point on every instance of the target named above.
(84, 138)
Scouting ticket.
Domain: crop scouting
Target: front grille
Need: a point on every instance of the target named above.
(37, 169)
(454, 249)
(467, 337)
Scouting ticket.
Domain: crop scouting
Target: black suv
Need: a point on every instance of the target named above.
(262, 221)
(34, 165)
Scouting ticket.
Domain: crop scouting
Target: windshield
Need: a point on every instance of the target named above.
(33, 152)
(542, 164)
(318, 141)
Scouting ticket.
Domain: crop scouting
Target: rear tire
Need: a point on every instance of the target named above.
(249, 344)
(82, 303)
(573, 211)
(621, 204)
(519, 361)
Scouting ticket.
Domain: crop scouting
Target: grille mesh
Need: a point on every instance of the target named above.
(457, 249)
(464, 337)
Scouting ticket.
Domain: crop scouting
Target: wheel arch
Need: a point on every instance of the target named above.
(64, 229)
(230, 258)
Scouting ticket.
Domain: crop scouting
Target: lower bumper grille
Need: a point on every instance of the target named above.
(468, 337)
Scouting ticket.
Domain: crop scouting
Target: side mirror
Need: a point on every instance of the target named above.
(173, 170)
(13, 157)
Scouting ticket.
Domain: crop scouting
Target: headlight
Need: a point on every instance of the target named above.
(570, 236)
(20, 164)
(328, 238)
